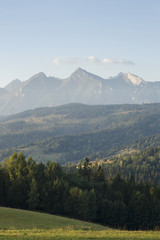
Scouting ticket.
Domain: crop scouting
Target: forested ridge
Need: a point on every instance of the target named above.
(69, 133)
(143, 165)
(85, 191)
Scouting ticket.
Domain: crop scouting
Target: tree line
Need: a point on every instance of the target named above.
(144, 165)
(86, 193)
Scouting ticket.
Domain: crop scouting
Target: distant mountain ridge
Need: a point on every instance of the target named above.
(80, 87)
(13, 85)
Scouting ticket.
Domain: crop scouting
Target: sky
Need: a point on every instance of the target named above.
(56, 37)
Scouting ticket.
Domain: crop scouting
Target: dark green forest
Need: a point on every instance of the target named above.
(117, 184)
(88, 190)
(144, 165)
(69, 133)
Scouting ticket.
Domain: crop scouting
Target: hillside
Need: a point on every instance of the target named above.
(143, 165)
(81, 87)
(71, 132)
(26, 225)
(22, 219)
(86, 192)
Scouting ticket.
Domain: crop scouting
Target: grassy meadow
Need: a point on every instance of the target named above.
(24, 225)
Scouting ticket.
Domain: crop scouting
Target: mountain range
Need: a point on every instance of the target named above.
(80, 87)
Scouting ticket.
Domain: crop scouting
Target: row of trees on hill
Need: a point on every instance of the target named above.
(143, 165)
(84, 194)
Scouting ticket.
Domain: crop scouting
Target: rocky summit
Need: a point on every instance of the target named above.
(80, 87)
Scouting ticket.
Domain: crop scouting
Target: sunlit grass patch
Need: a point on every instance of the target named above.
(21, 219)
(68, 233)
(18, 224)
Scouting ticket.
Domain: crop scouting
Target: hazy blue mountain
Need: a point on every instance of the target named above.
(80, 87)
(30, 94)
(2, 92)
(13, 85)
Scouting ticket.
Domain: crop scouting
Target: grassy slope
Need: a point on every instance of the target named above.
(24, 225)
(22, 219)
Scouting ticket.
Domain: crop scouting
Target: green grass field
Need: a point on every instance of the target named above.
(12, 219)
(24, 225)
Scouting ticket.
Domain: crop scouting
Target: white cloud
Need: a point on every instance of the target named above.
(106, 60)
(56, 61)
(90, 59)
(93, 59)
(123, 61)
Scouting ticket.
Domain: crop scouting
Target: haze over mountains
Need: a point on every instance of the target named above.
(80, 87)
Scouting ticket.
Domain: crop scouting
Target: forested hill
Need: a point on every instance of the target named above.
(85, 193)
(70, 132)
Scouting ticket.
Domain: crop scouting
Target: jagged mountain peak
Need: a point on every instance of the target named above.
(79, 69)
(39, 75)
(80, 87)
(131, 78)
(80, 73)
(13, 85)
(16, 81)
(38, 78)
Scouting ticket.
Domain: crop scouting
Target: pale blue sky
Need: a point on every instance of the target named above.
(104, 37)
